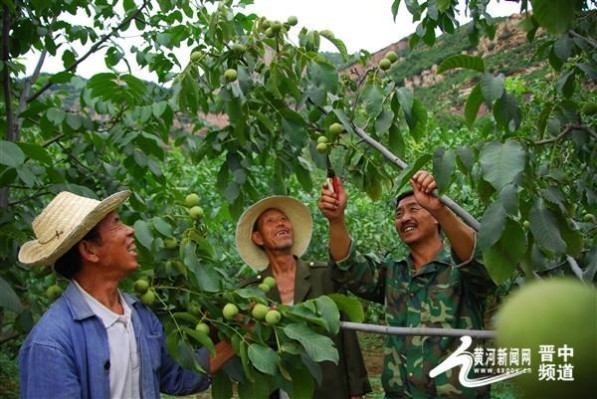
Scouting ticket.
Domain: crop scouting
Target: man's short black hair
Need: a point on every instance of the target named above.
(408, 193)
(402, 196)
(70, 263)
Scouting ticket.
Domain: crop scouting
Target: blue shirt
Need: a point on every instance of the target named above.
(66, 355)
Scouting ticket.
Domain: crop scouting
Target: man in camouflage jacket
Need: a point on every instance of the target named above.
(435, 286)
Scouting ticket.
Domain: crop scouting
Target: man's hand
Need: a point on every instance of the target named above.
(423, 184)
(332, 204)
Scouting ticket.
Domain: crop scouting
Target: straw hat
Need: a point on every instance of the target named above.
(63, 223)
(299, 216)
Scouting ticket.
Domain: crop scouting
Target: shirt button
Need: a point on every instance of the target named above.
(259, 276)
(311, 263)
(410, 375)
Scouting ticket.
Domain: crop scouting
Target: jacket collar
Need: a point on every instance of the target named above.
(301, 282)
(79, 307)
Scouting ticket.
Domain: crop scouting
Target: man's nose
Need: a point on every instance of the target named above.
(129, 230)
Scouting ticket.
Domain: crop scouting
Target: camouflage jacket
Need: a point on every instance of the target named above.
(349, 376)
(445, 293)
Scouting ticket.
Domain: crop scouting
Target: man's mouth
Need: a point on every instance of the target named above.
(408, 228)
(133, 249)
(282, 233)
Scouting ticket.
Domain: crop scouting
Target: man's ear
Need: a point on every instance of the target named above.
(88, 251)
(257, 239)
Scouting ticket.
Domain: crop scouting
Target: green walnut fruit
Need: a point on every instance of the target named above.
(141, 286)
(230, 75)
(322, 148)
(335, 129)
(292, 20)
(264, 287)
(148, 298)
(558, 312)
(238, 48)
(272, 317)
(526, 224)
(196, 212)
(259, 311)
(588, 217)
(392, 56)
(269, 32)
(322, 139)
(230, 311)
(53, 291)
(170, 243)
(269, 281)
(196, 56)
(202, 328)
(191, 200)
(589, 108)
(385, 64)
(276, 26)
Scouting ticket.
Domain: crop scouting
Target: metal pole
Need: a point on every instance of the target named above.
(437, 332)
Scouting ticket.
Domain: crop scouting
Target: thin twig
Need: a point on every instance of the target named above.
(574, 266)
(590, 41)
(11, 134)
(567, 130)
(419, 331)
(92, 50)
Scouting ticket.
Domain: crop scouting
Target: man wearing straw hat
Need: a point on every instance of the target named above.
(437, 286)
(95, 341)
(271, 236)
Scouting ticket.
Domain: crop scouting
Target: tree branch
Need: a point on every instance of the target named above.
(11, 134)
(574, 266)
(590, 41)
(92, 50)
(463, 214)
(567, 130)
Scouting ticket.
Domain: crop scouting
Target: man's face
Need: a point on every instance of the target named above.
(116, 249)
(413, 222)
(274, 231)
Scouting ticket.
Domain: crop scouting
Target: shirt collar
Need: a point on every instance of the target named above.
(107, 316)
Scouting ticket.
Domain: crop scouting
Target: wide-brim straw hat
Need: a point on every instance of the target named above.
(63, 223)
(297, 213)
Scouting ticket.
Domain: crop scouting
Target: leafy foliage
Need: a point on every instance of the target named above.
(526, 166)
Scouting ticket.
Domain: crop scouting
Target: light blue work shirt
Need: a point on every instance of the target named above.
(66, 355)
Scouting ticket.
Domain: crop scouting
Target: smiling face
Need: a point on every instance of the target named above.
(273, 231)
(413, 223)
(116, 250)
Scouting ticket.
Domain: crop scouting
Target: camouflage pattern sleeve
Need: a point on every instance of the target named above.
(474, 272)
(363, 275)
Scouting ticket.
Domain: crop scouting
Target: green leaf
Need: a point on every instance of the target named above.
(202, 338)
(221, 386)
(508, 197)
(492, 87)
(406, 100)
(462, 61)
(545, 228)
(493, 224)
(383, 122)
(507, 112)
(444, 163)
(502, 258)
(443, 5)
(554, 15)
(350, 306)
(501, 163)
(373, 98)
(329, 312)
(473, 103)
(55, 115)
(162, 226)
(36, 152)
(395, 6)
(143, 233)
(409, 172)
(303, 384)
(10, 154)
(264, 358)
(8, 298)
(318, 347)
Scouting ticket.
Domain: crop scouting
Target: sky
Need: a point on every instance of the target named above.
(361, 24)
